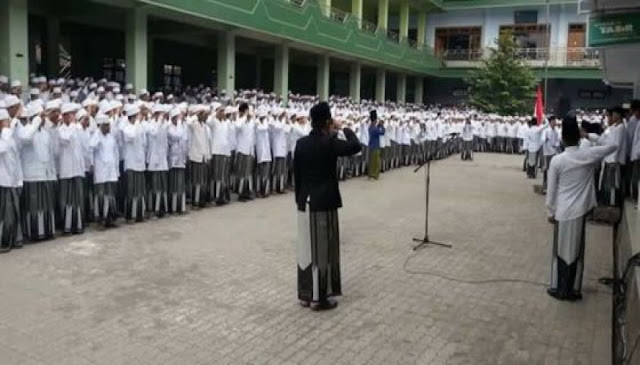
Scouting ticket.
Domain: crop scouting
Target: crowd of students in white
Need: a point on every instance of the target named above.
(74, 151)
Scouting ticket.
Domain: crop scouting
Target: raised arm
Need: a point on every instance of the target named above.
(346, 148)
(26, 133)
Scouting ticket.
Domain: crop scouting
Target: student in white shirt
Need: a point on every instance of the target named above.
(10, 182)
(533, 142)
(39, 168)
(221, 128)
(178, 147)
(550, 146)
(199, 156)
(134, 141)
(157, 162)
(363, 136)
(106, 172)
(278, 131)
(245, 153)
(467, 141)
(570, 196)
(71, 162)
(610, 177)
(263, 155)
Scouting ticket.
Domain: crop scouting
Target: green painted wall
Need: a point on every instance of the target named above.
(307, 25)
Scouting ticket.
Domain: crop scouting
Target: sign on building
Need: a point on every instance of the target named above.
(611, 29)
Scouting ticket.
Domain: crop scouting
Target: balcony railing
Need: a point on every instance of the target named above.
(342, 16)
(537, 57)
(461, 55)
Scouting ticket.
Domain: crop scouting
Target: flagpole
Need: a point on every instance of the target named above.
(546, 59)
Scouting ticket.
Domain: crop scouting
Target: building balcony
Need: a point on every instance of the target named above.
(557, 57)
(306, 23)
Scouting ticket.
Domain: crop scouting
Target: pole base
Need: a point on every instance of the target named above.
(425, 241)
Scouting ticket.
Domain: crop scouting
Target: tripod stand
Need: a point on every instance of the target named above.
(425, 240)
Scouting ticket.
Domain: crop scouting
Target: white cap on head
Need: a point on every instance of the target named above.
(104, 107)
(53, 104)
(128, 86)
(57, 90)
(144, 92)
(131, 110)
(174, 112)
(157, 108)
(230, 110)
(33, 110)
(73, 94)
(100, 89)
(34, 91)
(93, 86)
(68, 108)
(11, 100)
(3, 79)
(81, 114)
(88, 102)
(4, 114)
(16, 83)
(115, 104)
(102, 119)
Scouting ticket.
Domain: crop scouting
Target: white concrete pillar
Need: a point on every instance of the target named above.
(14, 40)
(404, 19)
(381, 84)
(383, 14)
(356, 10)
(281, 72)
(227, 63)
(324, 69)
(422, 29)
(136, 51)
(325, 7)
(401, 94)
(419, 90)
(355, 79)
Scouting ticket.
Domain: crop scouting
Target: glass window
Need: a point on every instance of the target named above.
(458, 43)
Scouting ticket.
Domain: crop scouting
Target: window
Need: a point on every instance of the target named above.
(525, 16)
(113, 69)
(531, 39)
(459, 43)
(172, 76)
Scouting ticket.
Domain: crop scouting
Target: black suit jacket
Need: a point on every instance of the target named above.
(314, 167)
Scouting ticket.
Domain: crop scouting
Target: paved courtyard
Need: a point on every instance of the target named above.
(218, 286)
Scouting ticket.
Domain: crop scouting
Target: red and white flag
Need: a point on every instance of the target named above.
(539, 109)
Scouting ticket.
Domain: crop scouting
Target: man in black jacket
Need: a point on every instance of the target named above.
(318, 199)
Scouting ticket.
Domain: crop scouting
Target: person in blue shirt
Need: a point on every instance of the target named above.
(376, 130)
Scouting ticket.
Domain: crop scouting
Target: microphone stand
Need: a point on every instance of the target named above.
(422, 242)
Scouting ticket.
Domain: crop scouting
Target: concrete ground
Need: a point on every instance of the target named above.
(218, 286)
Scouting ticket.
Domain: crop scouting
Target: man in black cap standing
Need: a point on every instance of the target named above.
(318, 199)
